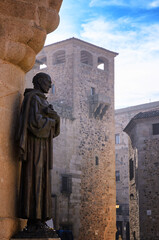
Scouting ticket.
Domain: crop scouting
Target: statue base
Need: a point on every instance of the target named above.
(36, 229)
(39, 234)
(36, 238)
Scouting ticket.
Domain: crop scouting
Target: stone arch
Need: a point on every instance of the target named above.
(103, 63)
(59, 57)
(86, 57)
(42, 62)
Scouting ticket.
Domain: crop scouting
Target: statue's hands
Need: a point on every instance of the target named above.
(49, 110)
(51, 106)
(46, 110)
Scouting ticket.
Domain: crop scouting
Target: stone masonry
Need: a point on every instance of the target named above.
(84, 193)
(122, 118)
(23, 28)
(143, 130)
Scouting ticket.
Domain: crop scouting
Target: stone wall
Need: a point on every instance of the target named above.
(134, 195)
(122, 117)
(144, 185)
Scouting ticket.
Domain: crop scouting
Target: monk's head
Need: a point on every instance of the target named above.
(42, 82)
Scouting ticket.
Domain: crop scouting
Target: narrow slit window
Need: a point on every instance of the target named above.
(117, 175)
(131, 169)
(117, 139)
(96, 161)
(53, 89)
(92, 91)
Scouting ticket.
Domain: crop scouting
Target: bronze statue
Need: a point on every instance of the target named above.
(39, 124)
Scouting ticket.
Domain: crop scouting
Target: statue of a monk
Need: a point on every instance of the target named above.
(39, 124)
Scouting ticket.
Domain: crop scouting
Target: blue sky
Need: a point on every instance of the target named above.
(129, 27)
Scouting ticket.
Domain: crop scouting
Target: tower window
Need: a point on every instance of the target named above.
(103, 63)
(92, 91)
(66, 184)
(42, 66)
(96, 160)
(117, 175)
(86, 58)
(117, 139)
(119, 209)
(59, 57)
(42, 62)
(155, 129)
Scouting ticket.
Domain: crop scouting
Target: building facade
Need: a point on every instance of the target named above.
(143, 130)
(83, 177)
(122, 118)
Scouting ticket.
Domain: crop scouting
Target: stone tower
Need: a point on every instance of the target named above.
(84, 163)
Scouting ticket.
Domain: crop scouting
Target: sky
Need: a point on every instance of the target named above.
(128, 27)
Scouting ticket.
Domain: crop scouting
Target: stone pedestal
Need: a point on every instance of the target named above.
(23, 28)
(36, 239)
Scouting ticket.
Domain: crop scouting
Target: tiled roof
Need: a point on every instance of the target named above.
(149, 114)
(141, 115)
(79, 40)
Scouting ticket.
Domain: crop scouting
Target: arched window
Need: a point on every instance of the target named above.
(59, 57)
(86, 58)
(103, 63)
(42, 62)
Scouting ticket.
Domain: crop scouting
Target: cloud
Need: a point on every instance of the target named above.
(124, 35)
(136, 67)
(136, 82)
(125, 3)
(154, 4)
(66, 29)
(94, 3)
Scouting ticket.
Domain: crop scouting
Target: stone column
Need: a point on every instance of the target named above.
(23, 28)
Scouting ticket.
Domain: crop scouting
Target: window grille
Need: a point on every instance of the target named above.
(66, 184)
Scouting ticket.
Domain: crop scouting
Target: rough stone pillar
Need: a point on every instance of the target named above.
(23, 28)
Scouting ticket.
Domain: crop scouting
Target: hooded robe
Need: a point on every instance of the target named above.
(37, 129)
